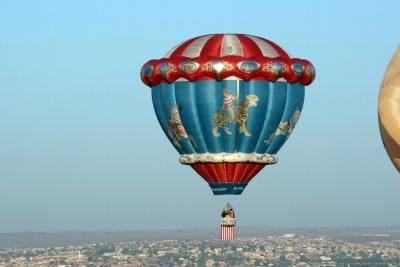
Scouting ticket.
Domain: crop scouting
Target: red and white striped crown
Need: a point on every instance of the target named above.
(218, 56)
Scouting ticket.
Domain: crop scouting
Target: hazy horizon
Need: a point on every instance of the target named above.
(81, 148)
(215, 226)
(62, 238)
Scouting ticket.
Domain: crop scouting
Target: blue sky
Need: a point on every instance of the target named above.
(81, 149)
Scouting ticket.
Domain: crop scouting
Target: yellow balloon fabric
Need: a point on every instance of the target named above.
(389, 110)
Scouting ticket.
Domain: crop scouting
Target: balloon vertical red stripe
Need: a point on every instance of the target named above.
(213, 46)
(250, 48)
(225, 172)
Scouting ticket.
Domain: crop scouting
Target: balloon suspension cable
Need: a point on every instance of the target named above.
(224, 199)
(237, 101)
(238, 90)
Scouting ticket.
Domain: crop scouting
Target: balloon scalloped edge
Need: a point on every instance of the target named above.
(188, 159)
(292, 70)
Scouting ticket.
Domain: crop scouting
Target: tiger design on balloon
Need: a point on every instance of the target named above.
(231, 114)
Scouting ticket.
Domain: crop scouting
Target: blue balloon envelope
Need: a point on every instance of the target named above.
(226, 105)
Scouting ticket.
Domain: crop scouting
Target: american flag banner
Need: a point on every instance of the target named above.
(227, 232)
(228, 223)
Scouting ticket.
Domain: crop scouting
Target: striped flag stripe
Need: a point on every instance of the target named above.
(227, 232)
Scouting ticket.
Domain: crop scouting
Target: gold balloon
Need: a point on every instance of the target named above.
(389, 110)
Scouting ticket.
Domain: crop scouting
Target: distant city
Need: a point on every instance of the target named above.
(344, 247)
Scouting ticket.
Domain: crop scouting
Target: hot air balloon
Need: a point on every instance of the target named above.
(388, 110)
(227, 103)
